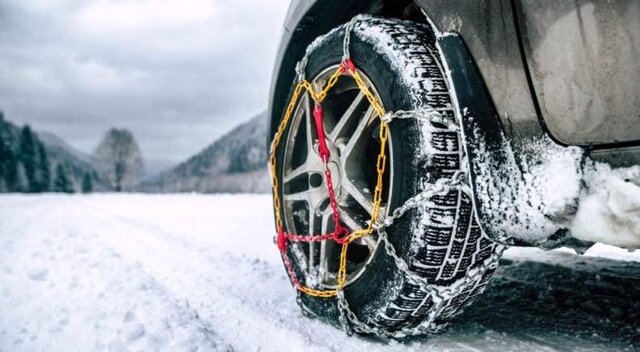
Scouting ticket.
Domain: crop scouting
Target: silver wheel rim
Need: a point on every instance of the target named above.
(351, 131)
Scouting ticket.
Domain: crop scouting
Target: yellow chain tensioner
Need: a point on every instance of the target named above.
(346, 67)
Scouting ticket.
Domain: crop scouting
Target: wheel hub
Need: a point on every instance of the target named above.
(336, 176)
(351, 129)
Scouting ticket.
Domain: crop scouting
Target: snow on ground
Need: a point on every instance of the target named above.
(190, 272)
(610, 208)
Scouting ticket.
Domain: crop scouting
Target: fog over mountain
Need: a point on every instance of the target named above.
(235, 163)
(56, 143)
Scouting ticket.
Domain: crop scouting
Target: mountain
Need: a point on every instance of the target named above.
(152, 166)
(155, 166)
(55, 142)
(32, 162)
(78, 163)
(237, 162)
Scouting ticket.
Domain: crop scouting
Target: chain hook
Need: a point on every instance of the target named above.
(281, 241)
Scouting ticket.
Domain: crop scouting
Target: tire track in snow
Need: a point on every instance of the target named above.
(111, 262)
(227, 289)
(233, 262)
(87, 297)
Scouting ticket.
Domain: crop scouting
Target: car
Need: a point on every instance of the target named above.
(411, 142)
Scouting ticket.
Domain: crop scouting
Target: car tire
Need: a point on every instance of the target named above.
(440, 240)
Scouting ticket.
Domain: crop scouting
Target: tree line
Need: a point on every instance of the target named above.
(25, 164)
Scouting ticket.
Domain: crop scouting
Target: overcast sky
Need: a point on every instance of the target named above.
(177, 73)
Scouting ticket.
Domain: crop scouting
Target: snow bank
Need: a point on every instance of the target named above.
(532, 192)
(538, 189)
(609, 207)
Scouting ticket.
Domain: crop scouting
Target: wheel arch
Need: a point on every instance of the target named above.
(315, 20)
(480, 23)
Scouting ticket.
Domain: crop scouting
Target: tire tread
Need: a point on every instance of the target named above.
(465, 246)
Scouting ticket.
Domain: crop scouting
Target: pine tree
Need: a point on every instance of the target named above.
(7, 155)
(44, 172)
(62, 181)
(11, 174)
(87, 183)
(28, 157)
(20, 182)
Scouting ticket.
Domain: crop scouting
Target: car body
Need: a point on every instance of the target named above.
(563, 70)
(567, 68)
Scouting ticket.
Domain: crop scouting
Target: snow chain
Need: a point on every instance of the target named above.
(340, 235)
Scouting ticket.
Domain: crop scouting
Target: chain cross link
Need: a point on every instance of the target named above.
(440, 295)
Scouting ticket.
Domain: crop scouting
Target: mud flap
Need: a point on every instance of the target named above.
(473, 100)
(513, 200)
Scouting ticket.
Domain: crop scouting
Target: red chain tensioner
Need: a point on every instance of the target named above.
(348, 66)
(340, 234)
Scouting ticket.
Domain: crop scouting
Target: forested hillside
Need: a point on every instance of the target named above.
(27, 164)
(237, 162)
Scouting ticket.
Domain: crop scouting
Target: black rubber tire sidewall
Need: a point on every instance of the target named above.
(366, 296)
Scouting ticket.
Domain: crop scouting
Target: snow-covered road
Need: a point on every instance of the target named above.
(190, 272)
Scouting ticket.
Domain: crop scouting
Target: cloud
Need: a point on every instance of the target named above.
(130, 16)
(178, 74)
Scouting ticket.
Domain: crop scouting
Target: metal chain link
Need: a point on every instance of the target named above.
(301, 66)
(440, 187)
(347, 39)
(440, 295)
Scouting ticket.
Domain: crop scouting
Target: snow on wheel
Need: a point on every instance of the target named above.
(436, 259)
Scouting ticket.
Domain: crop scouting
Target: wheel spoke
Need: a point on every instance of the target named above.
(348, 115)
(299, 171)
(349, 221)
(312, 163)
(323, 265)
(368, 241)
(326, 216)
(311, 231)
(358, 133)
(357, 193)
(311, 196)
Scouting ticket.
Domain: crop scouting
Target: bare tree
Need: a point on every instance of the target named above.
(118, 159)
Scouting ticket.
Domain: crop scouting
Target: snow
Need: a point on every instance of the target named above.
(193, 272)
(609, 210)
(538, 188)
(404, 65)
(531, 192)
(379, 37)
